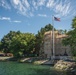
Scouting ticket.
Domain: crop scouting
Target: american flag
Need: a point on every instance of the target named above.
(56, 19)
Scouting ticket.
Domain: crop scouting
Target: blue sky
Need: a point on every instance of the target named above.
(31, 15)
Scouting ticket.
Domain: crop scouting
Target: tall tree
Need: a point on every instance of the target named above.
(40, 37)
(71, 39)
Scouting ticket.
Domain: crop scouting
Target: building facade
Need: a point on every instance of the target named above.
(60, 49)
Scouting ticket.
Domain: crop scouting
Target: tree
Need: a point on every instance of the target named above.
(24, 43)
(62, 31)
(40, 37)
(18, 43)
(71, 39)
(6, 41)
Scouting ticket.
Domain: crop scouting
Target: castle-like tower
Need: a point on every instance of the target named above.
(60, 49)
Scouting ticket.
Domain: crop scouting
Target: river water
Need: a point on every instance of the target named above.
(15, 68)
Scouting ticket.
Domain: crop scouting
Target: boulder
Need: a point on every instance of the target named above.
(65, 66)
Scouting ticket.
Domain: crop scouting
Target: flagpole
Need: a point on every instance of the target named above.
(53, 37)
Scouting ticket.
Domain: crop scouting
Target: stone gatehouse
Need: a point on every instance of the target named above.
(60, 50)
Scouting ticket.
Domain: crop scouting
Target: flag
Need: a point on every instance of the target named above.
(56, 19)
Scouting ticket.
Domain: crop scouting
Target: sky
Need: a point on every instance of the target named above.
(31, 15)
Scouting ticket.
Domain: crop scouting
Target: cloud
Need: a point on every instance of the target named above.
(63, 8)
(34, 4)
(41, 2)
(29, 8)
(22, 6)
(5, 18)
(60, 7)
(16, 21)
(42, 15)
(16, 2)
(9, 19)
(4, 4)
(50, 3)
(26, 4)
(38, 3)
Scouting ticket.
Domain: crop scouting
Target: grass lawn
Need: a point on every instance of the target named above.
(14, 68)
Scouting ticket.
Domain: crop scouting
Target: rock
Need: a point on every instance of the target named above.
(39, 62)
(65, 66)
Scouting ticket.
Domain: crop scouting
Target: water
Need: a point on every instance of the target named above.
(14, 68)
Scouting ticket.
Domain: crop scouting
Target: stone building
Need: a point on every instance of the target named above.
(60, 50)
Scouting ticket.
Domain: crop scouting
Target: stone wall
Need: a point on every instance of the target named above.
(60, 50)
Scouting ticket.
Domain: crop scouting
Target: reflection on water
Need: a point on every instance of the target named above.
(14, 68)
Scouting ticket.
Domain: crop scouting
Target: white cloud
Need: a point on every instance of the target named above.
(30, 8)
(34, 4)
(16, 2)
(22, 6)
(9, 19)
(42, 15)
(26, 4)
(17, 21)
(5, 18)
(60, 8)
(41, 2)
(50, 3)
(63, 9)
(4, 3)
(38, 3)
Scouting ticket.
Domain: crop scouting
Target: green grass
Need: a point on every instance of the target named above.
(14, 68)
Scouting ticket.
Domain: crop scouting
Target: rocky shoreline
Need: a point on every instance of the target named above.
(61, 65)
(67, 66)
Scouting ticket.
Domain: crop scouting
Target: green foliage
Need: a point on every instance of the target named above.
(18, 43)
(71, 39)
(62, 31)
(74, 23)
(40, 37)
(24, 44)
